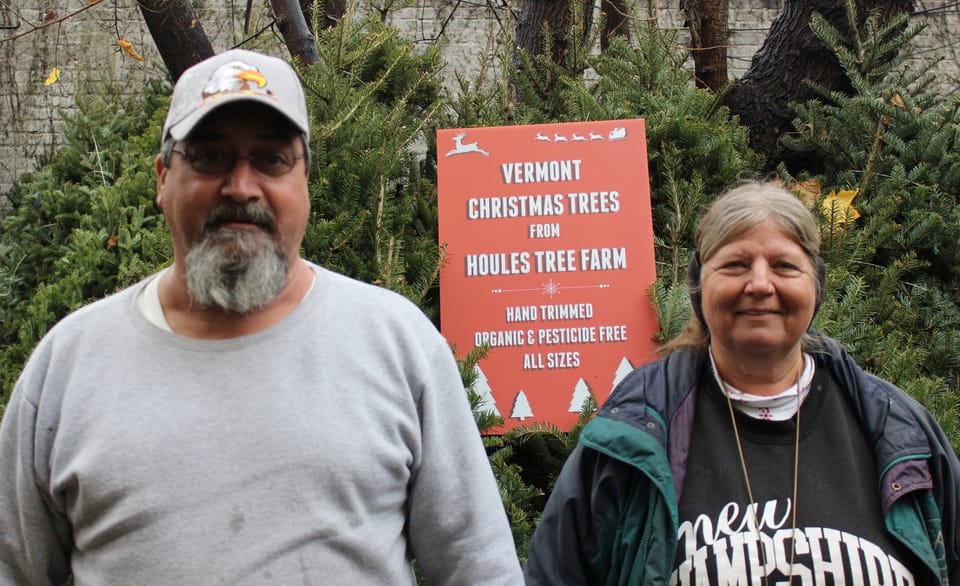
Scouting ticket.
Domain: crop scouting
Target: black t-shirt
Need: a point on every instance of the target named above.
(840, 537)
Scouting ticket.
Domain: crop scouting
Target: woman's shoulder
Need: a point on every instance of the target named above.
(884, 408)
(659, 385)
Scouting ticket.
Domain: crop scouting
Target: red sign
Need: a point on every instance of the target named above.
(549, 255)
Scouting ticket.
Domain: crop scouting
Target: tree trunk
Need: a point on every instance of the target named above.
(333, 11)
(296, 34)
(177, 33)
(789, 55)
(709, 37)
(616, 21)
(181, 42)
(555, 17)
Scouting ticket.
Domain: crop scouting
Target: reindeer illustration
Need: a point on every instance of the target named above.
(461, 148)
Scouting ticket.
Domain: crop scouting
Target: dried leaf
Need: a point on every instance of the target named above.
(112, 242)
(808, 190)
(127, 47)
(53, 77)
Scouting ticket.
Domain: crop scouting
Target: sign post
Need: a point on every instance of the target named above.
(548, 238)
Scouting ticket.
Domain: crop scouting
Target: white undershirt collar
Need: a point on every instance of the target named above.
(149, 300)
(779, 407)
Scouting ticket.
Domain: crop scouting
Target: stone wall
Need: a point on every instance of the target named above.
(80, 39)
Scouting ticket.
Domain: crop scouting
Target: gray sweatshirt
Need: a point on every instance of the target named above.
(328, 449)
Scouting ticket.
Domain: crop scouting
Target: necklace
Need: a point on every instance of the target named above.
(746, 480)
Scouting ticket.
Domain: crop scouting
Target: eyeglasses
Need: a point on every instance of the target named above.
(215, 160)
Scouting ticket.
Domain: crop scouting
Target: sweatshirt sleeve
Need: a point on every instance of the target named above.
(458, 528)
(34, 540)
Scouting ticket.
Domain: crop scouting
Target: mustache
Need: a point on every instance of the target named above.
(228, 212)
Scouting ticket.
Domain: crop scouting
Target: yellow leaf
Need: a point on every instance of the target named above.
(127, 47)
(53, 77)
(839, 207)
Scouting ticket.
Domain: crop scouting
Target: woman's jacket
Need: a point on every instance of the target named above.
(612, 518)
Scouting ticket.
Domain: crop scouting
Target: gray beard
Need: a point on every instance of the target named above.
(235, 270)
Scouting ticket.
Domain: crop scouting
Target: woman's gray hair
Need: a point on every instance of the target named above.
(733, 214)
(745, 207)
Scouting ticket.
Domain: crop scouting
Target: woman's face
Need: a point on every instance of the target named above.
(758, 294)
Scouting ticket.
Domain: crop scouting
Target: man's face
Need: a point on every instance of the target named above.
(236, 215)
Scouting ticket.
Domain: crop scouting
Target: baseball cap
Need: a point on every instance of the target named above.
(233, 76)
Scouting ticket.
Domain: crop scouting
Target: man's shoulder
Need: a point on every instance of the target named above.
(89, 326)
(100, 312)
(348, 289)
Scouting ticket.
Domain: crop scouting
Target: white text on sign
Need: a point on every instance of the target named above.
(545, 261)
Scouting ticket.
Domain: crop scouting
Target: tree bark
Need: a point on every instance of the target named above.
(296, 34)
(616, 21)
(555, 15)
(177, 33)
(790, 55)
(709, 36)
(333, 11)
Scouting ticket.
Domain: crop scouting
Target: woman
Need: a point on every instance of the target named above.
(756, 452)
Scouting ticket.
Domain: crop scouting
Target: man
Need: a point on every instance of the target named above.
(245, 416)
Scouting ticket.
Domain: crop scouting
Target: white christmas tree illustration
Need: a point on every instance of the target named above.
(482, 386)
(581, 392)
(521, 407)
(623, 370)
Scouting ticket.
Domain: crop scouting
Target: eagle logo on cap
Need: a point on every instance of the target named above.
(235, 76)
